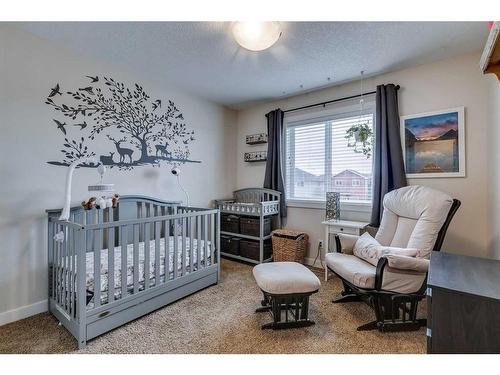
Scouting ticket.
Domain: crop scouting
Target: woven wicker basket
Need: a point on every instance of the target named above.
(289, 245)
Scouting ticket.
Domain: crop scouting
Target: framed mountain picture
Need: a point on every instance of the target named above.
(434, 144)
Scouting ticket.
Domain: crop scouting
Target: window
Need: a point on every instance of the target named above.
(318, 160)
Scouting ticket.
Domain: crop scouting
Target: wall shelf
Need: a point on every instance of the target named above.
(256, 139)
(252, 157)
(490, 59)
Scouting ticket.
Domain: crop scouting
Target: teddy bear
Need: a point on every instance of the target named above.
(88, 204)
(114, 200)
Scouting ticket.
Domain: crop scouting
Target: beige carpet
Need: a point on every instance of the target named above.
(221, 319)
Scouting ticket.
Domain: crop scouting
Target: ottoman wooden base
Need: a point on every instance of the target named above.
(287, 310)
(287, 287)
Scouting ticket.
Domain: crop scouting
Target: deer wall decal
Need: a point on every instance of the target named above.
(122, 151)
(107, 160)
(162, 149)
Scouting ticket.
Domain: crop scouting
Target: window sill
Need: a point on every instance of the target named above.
(351, 206)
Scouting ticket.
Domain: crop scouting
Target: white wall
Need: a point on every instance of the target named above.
(493, 164)
(440, 85)
(29, 67)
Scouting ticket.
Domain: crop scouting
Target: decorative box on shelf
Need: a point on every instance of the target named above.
(256, 139)
(251, 157)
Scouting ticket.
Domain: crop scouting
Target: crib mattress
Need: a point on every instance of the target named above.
(141, 263)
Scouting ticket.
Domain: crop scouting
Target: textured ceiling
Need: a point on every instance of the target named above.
(202, 57)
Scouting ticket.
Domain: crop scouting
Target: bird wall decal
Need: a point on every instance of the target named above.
(89, 89)
(156, 104)
(93, 79)
(82, 126)
(61, 126)
(54, 91)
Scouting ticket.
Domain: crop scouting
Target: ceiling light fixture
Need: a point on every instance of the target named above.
(256, 36)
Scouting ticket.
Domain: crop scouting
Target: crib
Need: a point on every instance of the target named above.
(110, 266)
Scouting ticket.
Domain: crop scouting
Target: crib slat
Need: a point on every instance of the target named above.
(157, 253)
(64, 267)
(183, 249)
(198, 242)
(80, 289)
(97, 267)
(124, 243)
(136, 258)
(59, 271)
(175, 260)
(166, 238)
(74, 286)
(87, 220)
(68, 271)
(111, 266)
(147, 239)
(161, 212)
(52, 249)
(191, 244)
(212, 238)
(205, 240)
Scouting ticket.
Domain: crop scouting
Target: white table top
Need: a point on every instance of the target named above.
(345, 223)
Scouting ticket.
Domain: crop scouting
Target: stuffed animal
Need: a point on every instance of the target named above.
(114, 200)
(88, 204)
(100, 203)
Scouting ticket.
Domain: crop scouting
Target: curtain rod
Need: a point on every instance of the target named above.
(333, 101)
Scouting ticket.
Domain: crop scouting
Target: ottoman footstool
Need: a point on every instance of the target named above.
(287, 287)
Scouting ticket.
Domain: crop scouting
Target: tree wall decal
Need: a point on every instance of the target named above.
(107, 108)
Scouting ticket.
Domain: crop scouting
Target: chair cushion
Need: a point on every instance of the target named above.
(413, 217)
(285, 278)
(368, 249)
(362, 274)
(353, 269)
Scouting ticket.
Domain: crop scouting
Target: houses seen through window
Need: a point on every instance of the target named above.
(319, 158)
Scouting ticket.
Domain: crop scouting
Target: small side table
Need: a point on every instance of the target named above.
(340, 226)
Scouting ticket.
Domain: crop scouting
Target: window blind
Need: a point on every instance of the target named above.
(318, 159)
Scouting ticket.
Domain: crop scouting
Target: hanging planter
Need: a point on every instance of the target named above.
(360, 137)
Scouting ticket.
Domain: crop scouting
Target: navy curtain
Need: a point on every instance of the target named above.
(274, 173)
(389, 170)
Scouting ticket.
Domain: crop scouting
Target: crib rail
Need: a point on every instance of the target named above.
(105, 262)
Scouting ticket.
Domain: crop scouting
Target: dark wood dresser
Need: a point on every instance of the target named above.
(463, 304)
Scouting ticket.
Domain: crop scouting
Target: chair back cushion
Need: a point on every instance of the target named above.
(413, 217)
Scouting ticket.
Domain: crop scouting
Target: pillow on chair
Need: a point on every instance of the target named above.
(370, 250)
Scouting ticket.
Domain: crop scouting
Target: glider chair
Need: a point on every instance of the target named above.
(389, 272)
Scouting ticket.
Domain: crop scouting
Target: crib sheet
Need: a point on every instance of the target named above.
(141, 263)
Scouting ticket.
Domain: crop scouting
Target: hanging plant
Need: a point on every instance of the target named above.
(360, 137)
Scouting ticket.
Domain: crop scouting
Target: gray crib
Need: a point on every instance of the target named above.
(108, 267)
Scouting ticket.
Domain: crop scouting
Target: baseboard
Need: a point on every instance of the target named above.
(23, 312)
